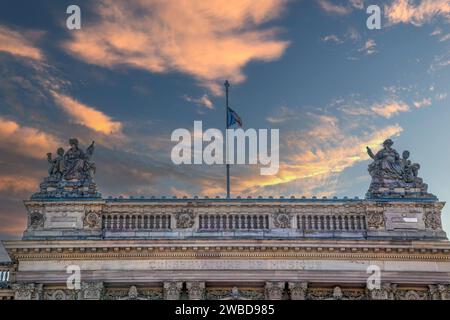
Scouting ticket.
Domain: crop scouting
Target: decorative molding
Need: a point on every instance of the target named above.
(274, 290)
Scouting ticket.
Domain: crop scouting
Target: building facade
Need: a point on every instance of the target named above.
(78, 245)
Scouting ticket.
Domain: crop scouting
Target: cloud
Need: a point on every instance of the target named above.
(285, 114)
(203, 101)
(331, 8)
(210, 40)
(332, 38)
(86, 115)
(19, 44)
(18, 184)
(390, 109)
(316, 156)
(369, 47)
(406, 11)
(26, 141)
(357, 4)
(426, 102)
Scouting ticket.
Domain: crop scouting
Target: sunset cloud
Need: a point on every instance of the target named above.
(18, 44)
(86, 115)
(210, 40)
(390, 109)
(26, 141)
(203, 101)
(339, 9)
(18, 184)
(416, 13)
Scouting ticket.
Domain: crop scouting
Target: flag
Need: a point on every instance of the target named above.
(233, 118)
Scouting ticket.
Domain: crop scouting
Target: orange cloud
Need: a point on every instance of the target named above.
(210, 40)
(18, 44)
(86, 115)
(18, 183)
(311, 159)
(25, 140)
(329, 7)
(390, 109)
(405, 11)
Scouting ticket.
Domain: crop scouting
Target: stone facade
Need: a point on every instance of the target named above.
(389, 246)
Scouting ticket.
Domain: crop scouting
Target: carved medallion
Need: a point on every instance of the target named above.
(432, 220)
(375, 220)
(92, 219)
(37, 220)
(282, 219)
(185, 219)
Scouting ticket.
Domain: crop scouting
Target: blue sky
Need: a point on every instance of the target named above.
(138, 70)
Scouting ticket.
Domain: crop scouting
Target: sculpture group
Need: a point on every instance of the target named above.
(71, 173)
(393, 175)
(73, 164)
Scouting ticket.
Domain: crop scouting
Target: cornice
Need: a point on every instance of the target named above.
(99, 250)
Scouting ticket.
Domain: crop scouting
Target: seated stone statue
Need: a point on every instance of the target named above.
(390, 173)
(77, 163)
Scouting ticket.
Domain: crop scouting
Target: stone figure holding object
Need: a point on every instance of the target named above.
(394, 176)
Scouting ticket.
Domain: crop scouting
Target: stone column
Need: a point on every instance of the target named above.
(27, 291)
(92, 290)
(274, 290)
(196, 290)
(298, 290)
(172, 290)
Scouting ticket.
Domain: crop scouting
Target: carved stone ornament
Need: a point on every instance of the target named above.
(92, 290)
(234, 294)
(375, 220)
(385, 292)
(433, 220)
(298, 290)
(172, 290)
(196, 290)
(27, 291)
(395, 176)
(282, 219)
(37, 220)
(274, 290)
(70, 175)
(185, 219)
(92, 219)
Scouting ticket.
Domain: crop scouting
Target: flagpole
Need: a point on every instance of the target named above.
(227, 86)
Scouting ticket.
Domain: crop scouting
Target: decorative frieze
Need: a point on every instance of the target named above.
(385, 292)
(196, 290)
(27, 291)
(92, 290)
(298, 290)
(172, 290)
(274, 290)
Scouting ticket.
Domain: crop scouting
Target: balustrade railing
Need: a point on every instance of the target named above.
(130, 222)
(233, 222)
(324, 223)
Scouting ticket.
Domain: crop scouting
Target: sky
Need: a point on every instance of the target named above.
(138, 70)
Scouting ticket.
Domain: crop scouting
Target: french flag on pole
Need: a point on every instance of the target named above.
(233, 118)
